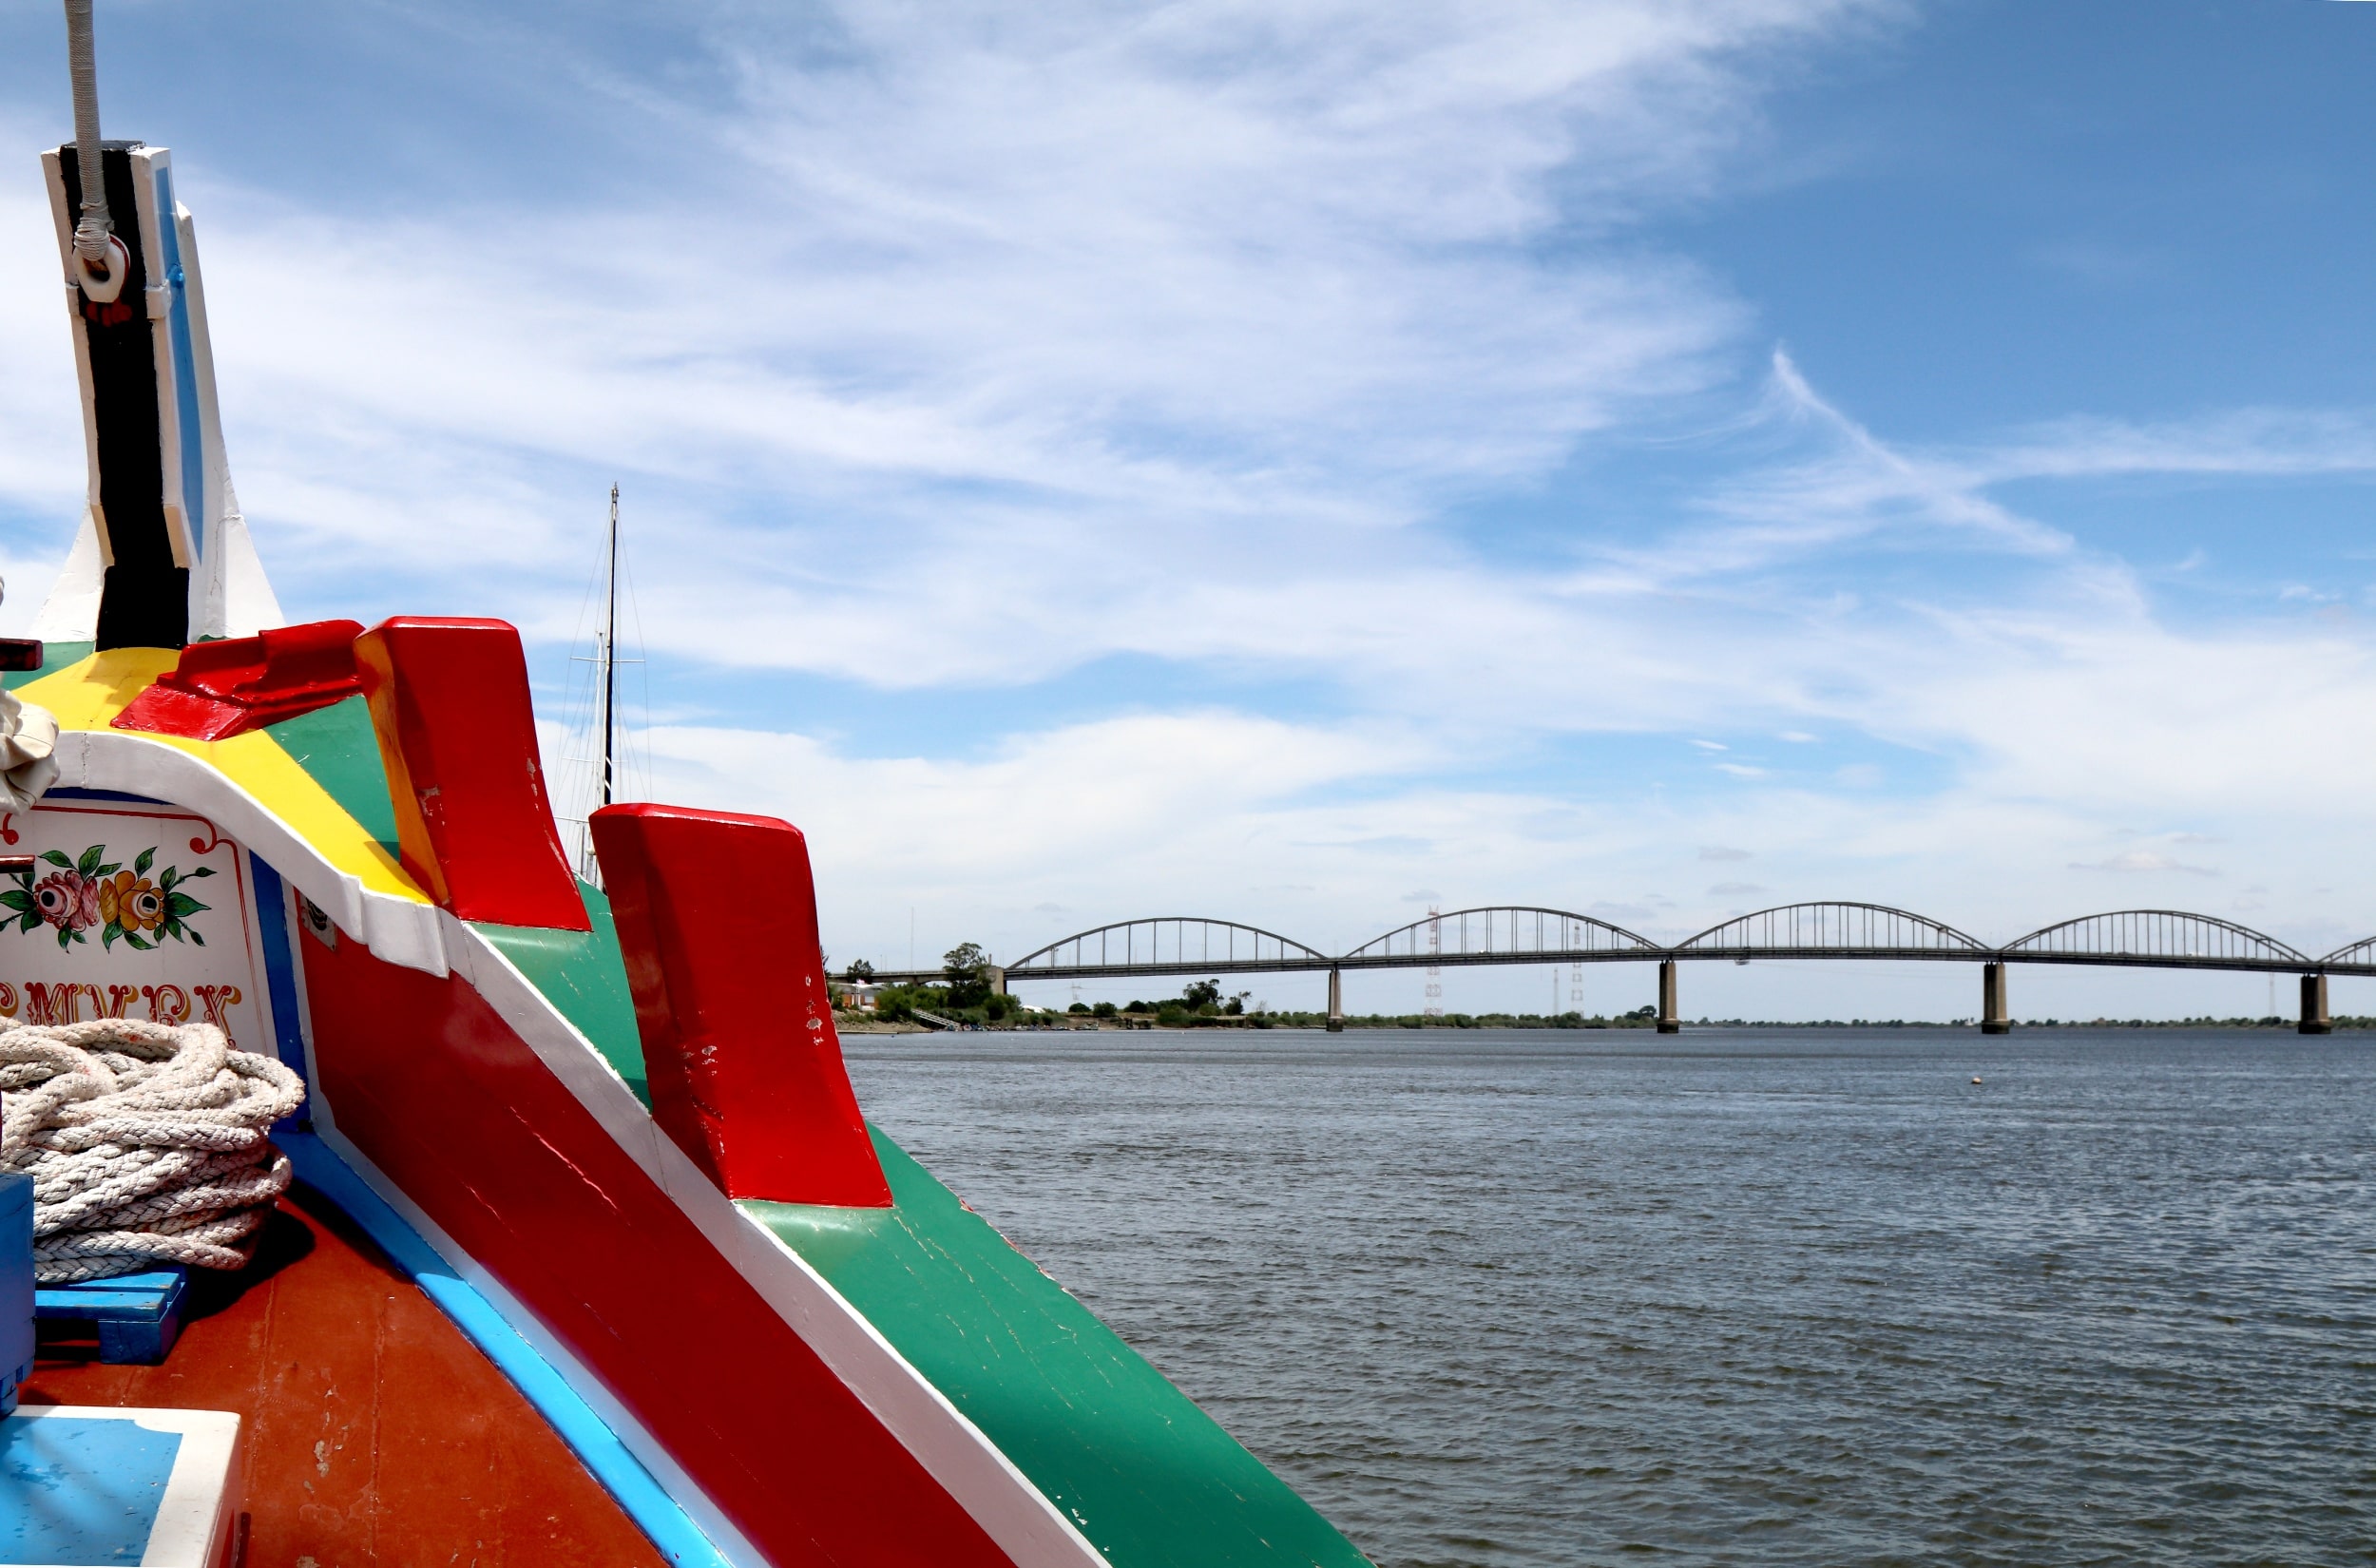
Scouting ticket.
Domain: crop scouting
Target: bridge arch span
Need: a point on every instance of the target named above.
(1167, 944)
(1832, 930)
(2154, 938)
(2359, 957)
(1502, 933)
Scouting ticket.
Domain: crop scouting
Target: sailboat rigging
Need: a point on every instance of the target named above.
(607, 776)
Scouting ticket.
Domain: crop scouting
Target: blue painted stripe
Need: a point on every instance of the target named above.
(193, 475)
(272, 926)
(645, 1501)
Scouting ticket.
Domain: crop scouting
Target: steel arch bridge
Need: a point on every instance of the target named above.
(1168, 944)
(2158, 938)
(1504, 934)
(1831, 930)
(2162, 939)
(1528, 934)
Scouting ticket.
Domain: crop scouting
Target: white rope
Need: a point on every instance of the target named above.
(146, 1143)
(93, 229)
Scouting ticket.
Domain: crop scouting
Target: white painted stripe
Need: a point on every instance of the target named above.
(401, 930)
(63, 217)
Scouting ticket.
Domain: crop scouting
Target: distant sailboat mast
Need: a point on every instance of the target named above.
(605, 691)
(609, 670)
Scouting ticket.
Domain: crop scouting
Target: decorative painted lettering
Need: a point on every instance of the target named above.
(163, 1011)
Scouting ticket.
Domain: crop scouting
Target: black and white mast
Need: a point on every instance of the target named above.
(163, 555)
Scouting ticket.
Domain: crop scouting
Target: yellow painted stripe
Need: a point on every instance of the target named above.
(88, 694)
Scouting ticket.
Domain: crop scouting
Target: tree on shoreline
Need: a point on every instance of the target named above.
(969, 970)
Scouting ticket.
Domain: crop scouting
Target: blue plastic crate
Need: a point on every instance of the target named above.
(138, 1316)
(16, 1285)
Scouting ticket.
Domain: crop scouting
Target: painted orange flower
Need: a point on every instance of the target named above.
(131, 902)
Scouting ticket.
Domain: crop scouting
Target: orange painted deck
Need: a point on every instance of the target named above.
(374, 1433)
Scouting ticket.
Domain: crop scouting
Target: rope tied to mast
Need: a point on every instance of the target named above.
(146, 1143)
(91, 231)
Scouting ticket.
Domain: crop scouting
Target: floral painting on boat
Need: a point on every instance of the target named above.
(92, 890)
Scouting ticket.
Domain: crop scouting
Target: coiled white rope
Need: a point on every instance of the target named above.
(146, 1143)
(93, 227)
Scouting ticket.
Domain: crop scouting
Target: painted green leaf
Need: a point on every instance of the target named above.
(203, 870)
(166, 882)
(143, 860)
(194, 936)
(56, 859)
(29, 922)
(109, 870)
(182, 906)
(17, 899)
(65, 934)
(88, 865)
(137, 941)
(107, 937)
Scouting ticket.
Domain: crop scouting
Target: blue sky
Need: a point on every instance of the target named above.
(1301, 462)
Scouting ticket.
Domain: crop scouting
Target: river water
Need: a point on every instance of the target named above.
(1736, 1297)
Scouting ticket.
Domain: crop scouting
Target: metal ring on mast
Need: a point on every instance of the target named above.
(101, 262)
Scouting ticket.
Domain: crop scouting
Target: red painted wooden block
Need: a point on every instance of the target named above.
(236, 684)
(450, 701)
(739, 1043)
(445, 1099)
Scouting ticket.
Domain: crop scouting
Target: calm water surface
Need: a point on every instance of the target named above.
(1771, 1298)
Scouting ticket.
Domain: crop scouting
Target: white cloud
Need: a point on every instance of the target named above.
(1250, 819)
(2140, 860)
(1202, 295)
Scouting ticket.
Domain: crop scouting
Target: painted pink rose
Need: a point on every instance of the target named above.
(59, 898)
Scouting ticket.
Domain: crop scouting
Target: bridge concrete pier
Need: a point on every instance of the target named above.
(1669, 1022)
(1337, 1002)
(1994, 1018)
(2314, 1017)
